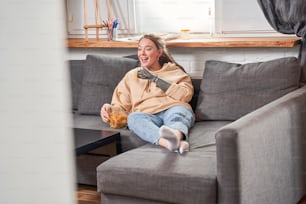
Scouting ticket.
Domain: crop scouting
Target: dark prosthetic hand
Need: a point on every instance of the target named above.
(144, 73)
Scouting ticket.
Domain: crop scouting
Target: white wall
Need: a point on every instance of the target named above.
(193, 59)
(36, 151)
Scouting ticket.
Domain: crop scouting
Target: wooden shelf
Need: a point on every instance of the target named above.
(103, 43)
(193, 43)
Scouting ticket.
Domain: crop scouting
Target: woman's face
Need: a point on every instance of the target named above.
(149, 54)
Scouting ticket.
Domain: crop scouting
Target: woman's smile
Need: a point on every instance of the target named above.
(148, 54)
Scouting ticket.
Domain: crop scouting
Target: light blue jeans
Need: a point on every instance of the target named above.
(146, 126)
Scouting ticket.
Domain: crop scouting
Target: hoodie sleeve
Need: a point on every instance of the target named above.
(182, 90)
(121, 95)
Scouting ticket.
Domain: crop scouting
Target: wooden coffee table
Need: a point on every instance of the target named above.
(86, 140)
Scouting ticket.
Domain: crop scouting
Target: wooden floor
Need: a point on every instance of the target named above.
(303, 200)
(88, 195)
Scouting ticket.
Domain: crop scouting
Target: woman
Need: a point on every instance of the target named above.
(156, 95)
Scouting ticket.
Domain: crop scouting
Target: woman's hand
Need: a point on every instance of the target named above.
(105, 110)
(144, 73)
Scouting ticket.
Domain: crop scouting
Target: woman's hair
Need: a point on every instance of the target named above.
(160, 44)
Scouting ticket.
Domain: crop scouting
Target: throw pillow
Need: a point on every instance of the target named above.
(230, 90)
(101, 76)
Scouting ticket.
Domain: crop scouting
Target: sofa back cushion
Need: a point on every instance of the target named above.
(101, 76)
(230, 90)
(76, 78)
(196, 82)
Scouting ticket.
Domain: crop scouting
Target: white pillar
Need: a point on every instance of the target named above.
(36, 150)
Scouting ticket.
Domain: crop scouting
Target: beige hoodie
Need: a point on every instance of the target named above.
(133, 94)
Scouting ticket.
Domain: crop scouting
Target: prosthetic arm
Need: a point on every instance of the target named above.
(144, 73)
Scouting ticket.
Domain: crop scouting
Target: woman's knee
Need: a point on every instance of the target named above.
(181, 111)
(179, 117)
(134, 117)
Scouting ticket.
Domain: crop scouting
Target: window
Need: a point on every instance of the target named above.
(215, 17)
(241, 17)
(173, 15)
(122, 9)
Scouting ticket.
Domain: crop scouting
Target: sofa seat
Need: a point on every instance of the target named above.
(154, 172)
(151, 173)
(202, 135)
(128, 139)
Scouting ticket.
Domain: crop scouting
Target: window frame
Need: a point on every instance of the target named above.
(217, 28)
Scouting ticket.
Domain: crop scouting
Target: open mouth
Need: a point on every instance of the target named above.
(144, 60)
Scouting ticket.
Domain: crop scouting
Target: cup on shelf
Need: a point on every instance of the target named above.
(115, 34)
(185, 34)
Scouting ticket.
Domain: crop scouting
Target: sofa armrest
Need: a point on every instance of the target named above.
(261, 156)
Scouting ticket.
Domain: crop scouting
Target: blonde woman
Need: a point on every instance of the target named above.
(156, 96)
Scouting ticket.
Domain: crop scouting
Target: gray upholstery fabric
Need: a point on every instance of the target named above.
(196, 86)
(202, 135)
(117, 199)
(157, 174)
(76, 77)
(229, 90)
(261, 157)
(101, 75)
(163, 176)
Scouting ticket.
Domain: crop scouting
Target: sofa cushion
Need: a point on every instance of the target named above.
(202, 135)
(76, 78)
(101, 75)
(230, 90)
(153, 173)
(196, 87)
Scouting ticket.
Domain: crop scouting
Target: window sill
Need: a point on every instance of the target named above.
(192, 43)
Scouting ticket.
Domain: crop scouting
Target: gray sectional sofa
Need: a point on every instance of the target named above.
(247, 145)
